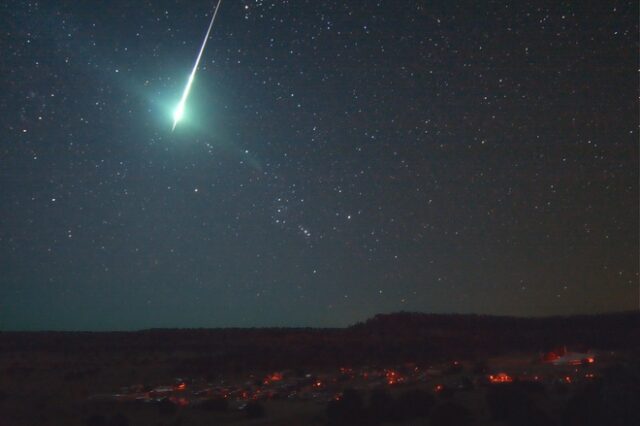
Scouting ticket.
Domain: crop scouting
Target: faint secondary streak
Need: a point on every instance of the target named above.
(179, 111)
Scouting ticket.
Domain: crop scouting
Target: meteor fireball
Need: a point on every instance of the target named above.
(178, 113)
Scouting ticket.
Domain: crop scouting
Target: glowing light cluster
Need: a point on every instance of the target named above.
(500, 378)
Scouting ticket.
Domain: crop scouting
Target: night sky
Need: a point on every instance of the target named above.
(337, 159)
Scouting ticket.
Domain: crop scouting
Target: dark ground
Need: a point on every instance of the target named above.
(52, 378)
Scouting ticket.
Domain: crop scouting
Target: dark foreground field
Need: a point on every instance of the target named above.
(393, 369)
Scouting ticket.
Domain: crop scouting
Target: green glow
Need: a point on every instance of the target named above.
(179, 111)
(178, 114)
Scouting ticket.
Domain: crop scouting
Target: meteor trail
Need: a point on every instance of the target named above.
(179, 111)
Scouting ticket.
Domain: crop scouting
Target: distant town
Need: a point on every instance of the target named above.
(403, 368)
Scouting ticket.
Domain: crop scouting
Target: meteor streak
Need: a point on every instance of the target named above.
(179, 111)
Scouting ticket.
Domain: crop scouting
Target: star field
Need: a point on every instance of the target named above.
(336, 160)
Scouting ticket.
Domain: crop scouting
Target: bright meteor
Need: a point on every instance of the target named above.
(179, 111)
